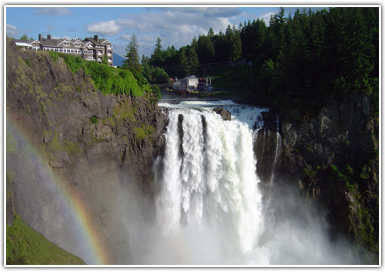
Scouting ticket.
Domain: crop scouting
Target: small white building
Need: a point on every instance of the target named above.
(23, 45)
(176, 85)
(190, 82)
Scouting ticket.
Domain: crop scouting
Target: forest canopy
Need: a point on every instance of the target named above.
(330, 52)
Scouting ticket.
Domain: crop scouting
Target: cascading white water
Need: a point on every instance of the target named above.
(209, 177)
(209, 208)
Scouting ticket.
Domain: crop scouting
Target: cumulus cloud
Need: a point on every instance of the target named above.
(108, 28)
(125, 37)
(175, 26)
(53, 11)
(266, 17)
(12, 30)
(205, 11)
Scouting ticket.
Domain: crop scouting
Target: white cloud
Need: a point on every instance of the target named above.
(12, 30)
(63, 37)
(174, 26)
(109, 28)
(266, 17)
(53, 11)
(205, 11)
(125, 37)
(127, 23)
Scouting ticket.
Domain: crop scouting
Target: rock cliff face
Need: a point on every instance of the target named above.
(93, 146)
(66, 138)
(333, 159)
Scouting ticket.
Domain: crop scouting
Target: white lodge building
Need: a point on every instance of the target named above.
(89, 49)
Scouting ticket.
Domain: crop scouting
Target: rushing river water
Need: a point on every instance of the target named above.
(210, 209)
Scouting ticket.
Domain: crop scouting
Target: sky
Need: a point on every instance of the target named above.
(175, 25)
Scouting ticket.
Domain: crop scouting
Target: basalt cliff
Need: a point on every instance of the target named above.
(62, 133)
(72, 150)
(332, 158)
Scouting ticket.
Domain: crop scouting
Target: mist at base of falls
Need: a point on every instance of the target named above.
(210, 209)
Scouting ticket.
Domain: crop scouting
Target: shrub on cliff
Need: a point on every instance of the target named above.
(108, 80)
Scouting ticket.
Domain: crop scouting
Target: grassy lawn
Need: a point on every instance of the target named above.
(28, 247)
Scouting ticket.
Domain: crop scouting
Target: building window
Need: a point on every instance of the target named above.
(66, 44)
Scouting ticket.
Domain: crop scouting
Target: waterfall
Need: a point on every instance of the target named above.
(208, 176)
(209, 205)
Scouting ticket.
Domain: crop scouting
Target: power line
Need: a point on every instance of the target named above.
(205, 64)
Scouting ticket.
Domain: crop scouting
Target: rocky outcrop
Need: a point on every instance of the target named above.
(72, 140)
(333, 159)
(267, 147)
(225, 114)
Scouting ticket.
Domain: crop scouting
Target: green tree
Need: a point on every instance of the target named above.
(193, 61)
(237, 46)
(220, 47)
(132, 56)
(145, 60)
(156, 57)
(183, 62)
(194, 43)
(105, 59)
(25, 37)
(210, 33)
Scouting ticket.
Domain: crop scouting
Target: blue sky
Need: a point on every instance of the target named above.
(175, 25)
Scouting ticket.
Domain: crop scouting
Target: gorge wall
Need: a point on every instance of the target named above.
(66, 138)
(332, 159)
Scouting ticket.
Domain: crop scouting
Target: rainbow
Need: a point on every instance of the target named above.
(77, 207)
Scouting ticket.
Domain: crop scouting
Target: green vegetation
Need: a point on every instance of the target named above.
(11, 144)
(367, 203)
(94, 120)
(300, 60)
(24, 246)
(143, 132)
(132, 61)
(25, 37)
(28, 62)
(56, 145)
(9, 176)
(108, 80)
(309, 172)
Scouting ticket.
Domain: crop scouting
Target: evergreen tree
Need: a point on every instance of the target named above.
(237, 46)
(156, 57)
(220, 46)
(210, 33)
(25, 37)
(183, 63)
(194, 43)
(145, 60)
(209, 48)
(132, 57)
(193, 61)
